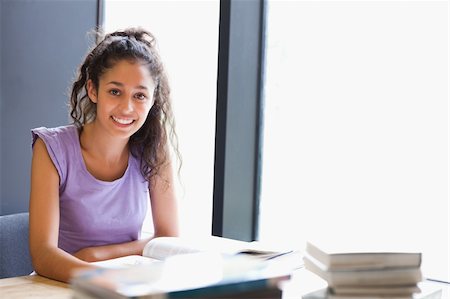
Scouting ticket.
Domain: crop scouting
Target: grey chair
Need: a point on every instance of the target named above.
(15, 259)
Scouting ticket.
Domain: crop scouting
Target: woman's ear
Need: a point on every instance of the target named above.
(91, 91)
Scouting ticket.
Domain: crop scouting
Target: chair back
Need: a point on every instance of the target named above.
(15, 259)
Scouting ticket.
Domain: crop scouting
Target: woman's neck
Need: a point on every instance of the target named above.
(101, 146)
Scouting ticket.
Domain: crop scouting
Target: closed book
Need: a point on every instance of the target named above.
(364, 277)
(326, 294)
(336, 255)
(427, 292)
(269, 293)
(258, 288)
(377, 290)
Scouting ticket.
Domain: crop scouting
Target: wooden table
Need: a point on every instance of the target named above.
(37, 287)
(34, 286)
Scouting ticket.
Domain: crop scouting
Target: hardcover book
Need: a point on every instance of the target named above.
(335, 255)
(364, 277)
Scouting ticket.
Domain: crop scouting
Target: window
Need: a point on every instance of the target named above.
(187, 35)
(356, 125)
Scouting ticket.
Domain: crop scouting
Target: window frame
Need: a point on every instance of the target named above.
(239, 116)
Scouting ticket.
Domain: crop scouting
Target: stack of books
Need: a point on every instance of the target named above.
(365, 274)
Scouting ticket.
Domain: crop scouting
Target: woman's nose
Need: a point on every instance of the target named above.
(127, 104)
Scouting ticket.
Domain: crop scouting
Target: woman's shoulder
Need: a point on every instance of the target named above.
(62, 145)
(67, 129)
(61, 132)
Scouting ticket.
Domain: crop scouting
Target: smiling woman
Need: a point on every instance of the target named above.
(190, 58)
(124, 97)
(95, 179)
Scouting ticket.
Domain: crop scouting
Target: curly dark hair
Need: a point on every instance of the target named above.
(150, 142)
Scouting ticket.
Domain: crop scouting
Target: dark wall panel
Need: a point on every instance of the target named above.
(1, 68)
(42, 43)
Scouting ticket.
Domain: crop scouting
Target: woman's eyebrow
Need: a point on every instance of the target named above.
(121, 85)
(115, 83)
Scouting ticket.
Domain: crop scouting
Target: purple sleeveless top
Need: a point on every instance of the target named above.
(93, 212)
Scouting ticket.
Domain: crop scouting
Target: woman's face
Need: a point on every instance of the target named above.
(124, 98)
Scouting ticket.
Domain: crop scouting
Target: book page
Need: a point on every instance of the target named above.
(164, 247)
(125, 262)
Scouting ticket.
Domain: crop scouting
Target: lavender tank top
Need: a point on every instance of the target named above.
(93, 212)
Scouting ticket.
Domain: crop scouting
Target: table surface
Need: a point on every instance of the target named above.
(37, 287)
(34, 286)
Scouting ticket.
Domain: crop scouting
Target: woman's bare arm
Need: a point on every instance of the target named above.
(164, 202)
(106, 252)
(48, 260)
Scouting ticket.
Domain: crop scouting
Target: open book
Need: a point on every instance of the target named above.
(161, 248)
(192, 275)
(210, 267)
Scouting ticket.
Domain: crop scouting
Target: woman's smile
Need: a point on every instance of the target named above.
(122, 121)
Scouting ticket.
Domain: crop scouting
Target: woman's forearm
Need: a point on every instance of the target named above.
(57, 264)
(106, 252)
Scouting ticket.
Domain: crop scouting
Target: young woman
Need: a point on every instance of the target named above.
(93, 181)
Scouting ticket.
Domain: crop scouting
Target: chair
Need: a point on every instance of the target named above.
(15, 259)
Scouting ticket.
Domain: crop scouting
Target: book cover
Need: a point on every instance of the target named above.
(364, 277)
(427, 291)
(336, 255)
(325, 294)
(377, 290)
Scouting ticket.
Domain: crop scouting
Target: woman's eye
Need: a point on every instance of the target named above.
(114, 92)
(141, 96)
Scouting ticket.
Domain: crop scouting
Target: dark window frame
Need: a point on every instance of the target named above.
(238, 151)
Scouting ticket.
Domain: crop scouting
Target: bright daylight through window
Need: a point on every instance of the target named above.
(356, 125)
